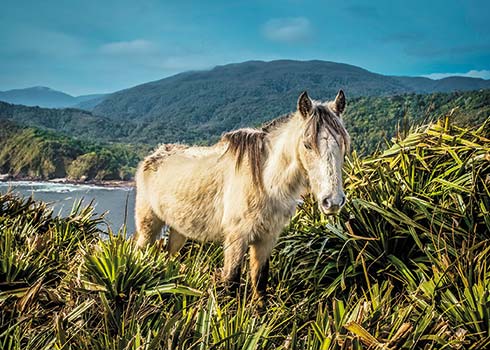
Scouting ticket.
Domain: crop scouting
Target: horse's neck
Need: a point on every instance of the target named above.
(283, 174)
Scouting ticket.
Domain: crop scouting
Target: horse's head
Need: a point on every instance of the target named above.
(322, 149)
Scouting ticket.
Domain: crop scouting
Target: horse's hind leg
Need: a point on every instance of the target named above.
(148, 225)
(175, 241)
(260, 252)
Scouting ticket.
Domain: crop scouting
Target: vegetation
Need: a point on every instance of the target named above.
(34, 153)
(370, 120)
(197, 107)
(405, 266)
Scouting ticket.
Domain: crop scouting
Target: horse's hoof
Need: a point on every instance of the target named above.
(260, 306)
(229, 289)
(232, 288)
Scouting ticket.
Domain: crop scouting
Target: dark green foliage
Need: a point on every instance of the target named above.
(372, 120)
(55, 273)
(414, 235)
(69, 121)
(35, 153)
(34, 244)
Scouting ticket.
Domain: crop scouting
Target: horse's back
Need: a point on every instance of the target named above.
(183, 187)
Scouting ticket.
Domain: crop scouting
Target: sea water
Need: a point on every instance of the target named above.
(116, 202)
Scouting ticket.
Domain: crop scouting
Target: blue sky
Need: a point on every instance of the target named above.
(83, 47)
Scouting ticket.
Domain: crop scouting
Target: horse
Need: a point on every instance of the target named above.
(243, 190)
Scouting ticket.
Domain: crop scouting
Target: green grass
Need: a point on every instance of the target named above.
(405, 266)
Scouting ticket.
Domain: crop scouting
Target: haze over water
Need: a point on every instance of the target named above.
(61, 197)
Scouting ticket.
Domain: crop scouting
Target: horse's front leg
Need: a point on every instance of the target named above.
(234, 250)
(260, 252)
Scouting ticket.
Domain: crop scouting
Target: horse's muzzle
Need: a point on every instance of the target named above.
(328, 207)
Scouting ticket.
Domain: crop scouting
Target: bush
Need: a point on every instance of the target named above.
(405, 266)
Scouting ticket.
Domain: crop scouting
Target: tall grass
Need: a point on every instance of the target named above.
(405, 266)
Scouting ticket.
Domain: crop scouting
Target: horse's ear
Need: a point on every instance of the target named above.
(304, 104)
(339, 103)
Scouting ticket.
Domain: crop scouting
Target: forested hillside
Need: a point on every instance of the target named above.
(251, 90)
(199, 106)
(70, 121)
(371, 120)
(27, 152)
(71, 136)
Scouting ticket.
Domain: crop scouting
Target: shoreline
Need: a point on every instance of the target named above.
(101, 183)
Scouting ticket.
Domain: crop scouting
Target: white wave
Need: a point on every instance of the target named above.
(35, 186)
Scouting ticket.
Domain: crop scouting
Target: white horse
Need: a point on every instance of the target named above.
(243, 190)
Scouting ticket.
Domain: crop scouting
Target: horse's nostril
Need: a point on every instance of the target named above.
(326, 202)
(332, 206)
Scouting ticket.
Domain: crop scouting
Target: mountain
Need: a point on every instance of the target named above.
(91, 97)
(426, 85)
(194, 106)
(242, 90)
(45, 143)
(45, 97)
(88, 102)
(206, 103)
(37, 96)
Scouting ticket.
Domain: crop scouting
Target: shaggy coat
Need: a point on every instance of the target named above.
(243, 190)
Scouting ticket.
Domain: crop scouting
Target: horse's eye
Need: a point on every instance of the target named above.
(307, 145)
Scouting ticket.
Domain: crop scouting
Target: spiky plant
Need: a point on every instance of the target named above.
(405, 266)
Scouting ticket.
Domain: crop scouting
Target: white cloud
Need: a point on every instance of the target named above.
(484, 74)
(287, 29)
(138, 46)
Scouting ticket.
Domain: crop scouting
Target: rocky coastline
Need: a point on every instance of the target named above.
(102, 183)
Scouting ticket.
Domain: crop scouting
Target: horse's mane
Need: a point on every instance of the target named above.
(163, 151)
(249, 142)
(274, 123)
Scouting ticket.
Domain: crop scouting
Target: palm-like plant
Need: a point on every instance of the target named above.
(405, 266)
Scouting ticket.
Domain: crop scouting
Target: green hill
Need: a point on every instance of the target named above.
(70, 121)
(371, 120)
(28, 152)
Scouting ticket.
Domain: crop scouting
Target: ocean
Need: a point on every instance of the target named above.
(117, 202)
